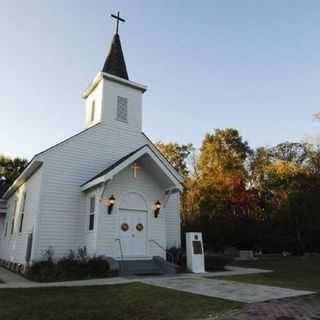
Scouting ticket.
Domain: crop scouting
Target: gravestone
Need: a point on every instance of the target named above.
(246, 255)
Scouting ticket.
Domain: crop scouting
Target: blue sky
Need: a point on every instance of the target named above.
(251, 65)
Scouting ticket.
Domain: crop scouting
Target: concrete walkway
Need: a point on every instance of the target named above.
(9, 277)
(202, 284)
(230, 290)
(231, 271)
(14, 280)
(301, 308)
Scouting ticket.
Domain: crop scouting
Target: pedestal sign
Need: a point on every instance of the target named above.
(195, 253)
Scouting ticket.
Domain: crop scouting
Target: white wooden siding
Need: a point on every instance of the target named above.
(2, 219)
(111, 92)
(90, 237)
(96, 96)
(120, 186)
(62, 209)
(173, 222)
(13, 247)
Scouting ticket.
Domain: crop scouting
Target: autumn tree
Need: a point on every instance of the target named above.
(221, 169)
(10, 169)
(177, 154)
(281, 175)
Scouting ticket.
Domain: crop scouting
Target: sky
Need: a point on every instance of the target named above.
(250, 65)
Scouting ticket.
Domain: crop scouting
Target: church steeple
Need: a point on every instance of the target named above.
(115, 63)
(112, 100)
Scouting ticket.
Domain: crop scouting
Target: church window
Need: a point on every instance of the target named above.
(14, 216)
(91, 222)
(93, 110)
(92, 213)
(122, 109)
(6, 230)
(12, 225)
(22, 211)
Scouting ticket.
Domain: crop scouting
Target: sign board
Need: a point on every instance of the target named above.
(195, 253)
(197, 247)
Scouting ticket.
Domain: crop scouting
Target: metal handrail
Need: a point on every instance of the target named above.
(121, 253)
(165, 250)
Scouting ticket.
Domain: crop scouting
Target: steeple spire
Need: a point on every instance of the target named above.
(115, 63)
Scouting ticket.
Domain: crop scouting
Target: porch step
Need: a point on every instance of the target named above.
(139, 268)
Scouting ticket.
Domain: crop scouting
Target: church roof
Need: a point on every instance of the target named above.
(114, 165)
(117, 166)
(115, 63)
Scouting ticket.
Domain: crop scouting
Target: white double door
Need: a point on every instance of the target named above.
(133, 232)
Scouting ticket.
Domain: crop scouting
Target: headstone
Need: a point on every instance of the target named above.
(195, 252)
(246, 255)
(231, 252)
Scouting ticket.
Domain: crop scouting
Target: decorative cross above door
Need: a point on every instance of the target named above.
(135, 169)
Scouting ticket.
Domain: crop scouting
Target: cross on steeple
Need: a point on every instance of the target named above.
(117, 17)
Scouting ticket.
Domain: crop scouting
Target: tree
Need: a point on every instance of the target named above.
(177, 154)
(313, 160)
(316, 116)
(290, 151)
(221, 169)
(223, 150)
(10, 169)
(282, 176)
(260, 159)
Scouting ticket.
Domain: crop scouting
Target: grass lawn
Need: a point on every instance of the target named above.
(134, 301)
(289, 272)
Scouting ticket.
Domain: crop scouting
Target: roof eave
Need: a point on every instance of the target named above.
(108, 76)
(24, 176)
(176, 173)
(124, 164)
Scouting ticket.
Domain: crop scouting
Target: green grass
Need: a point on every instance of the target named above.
(289, 272)
(133, 301)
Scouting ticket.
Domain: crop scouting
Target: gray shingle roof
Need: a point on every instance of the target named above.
(115, 63)
(115, 164)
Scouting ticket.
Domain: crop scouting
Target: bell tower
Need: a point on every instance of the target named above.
(112, 99)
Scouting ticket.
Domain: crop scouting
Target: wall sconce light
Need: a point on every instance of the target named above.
(111, 202)
(157, 207)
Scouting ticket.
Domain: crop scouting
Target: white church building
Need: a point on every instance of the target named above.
(107, 188)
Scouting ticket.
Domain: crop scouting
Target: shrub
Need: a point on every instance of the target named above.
(215, 262)
(99, 267)
(73, 267)
(41, 271)
(177, 254)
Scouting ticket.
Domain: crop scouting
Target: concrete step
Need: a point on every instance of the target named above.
(139, 267)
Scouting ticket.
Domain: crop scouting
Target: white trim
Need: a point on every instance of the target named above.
(24, 176)
(93, 183)
(167, 195)
(163, 158)
(92, 213)
(103, 75)
(127, 162)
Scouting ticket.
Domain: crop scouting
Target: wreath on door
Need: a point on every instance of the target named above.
(124, 227)
(139, 227)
